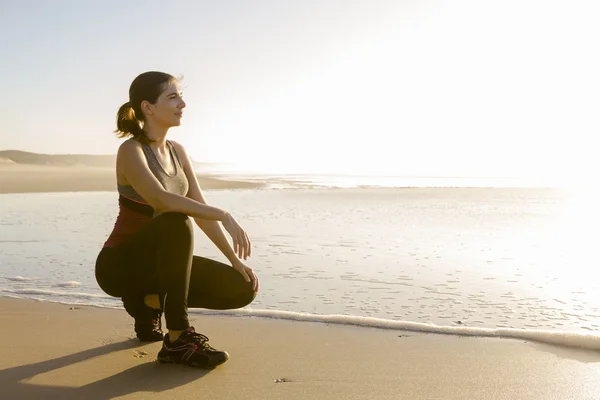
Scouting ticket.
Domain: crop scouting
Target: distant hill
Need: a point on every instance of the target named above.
(59, 160)
(4, 160)
(70, 160)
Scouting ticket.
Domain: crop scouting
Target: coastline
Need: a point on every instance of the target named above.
(90, 352)
(29, 178)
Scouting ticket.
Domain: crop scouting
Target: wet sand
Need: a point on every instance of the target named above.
(56, 351)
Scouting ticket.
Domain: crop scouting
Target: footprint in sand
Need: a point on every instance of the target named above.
(139, 354)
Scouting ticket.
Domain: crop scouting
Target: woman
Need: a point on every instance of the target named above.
(148, 258)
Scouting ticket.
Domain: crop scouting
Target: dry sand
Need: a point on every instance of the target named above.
(55, 351)
(28, 178)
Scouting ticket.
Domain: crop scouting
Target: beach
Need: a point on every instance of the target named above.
(460, 293)
(30, 178)
(57, 351)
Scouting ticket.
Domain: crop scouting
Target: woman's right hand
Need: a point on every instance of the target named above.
(241, 242)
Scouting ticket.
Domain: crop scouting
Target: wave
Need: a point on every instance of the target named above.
(586, 341)
(329, 181)
(44, 292)
(68, 284)
(18, 279)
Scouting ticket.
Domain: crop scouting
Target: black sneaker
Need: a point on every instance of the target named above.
(148, 326)
(149, 330)
(191, 348)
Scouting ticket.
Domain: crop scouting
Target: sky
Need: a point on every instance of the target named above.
(419, 88)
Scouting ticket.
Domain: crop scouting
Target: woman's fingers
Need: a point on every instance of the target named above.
(241, 246)
(253, 277)
(241, 242)
(244, 245)
(256, 286)
(245, 275)
(249, 245)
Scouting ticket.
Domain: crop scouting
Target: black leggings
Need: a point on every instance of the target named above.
(158, 259)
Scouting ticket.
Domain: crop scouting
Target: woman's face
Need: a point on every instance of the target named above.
(168, 109)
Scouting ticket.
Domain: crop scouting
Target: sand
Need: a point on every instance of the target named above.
(56, 351)
(28, 178)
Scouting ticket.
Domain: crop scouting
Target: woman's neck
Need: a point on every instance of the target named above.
(157, 135)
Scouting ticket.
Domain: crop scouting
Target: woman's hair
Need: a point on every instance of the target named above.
(130, 118)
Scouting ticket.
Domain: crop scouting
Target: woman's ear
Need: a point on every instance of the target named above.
(146, 107)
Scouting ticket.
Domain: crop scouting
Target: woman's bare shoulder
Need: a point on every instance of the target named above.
(179, 147)
(129, 145)
(126, 151)
(181, 152)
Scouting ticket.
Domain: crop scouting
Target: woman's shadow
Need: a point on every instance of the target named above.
(147, 377)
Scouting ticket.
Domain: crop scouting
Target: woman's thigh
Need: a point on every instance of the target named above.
(217, 286)
(123, 271)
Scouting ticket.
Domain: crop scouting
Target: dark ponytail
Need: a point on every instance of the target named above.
(127, 123)
(130, 118)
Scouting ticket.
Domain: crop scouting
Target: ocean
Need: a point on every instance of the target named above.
(502, 261)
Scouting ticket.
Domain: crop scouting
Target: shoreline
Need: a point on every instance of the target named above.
(32, 178)
(29, 178)
(574, 340)
(90, 352)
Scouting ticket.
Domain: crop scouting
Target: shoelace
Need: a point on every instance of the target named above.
(200, 339)
(157, 325)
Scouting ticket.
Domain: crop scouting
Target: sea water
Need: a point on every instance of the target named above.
(517, 262)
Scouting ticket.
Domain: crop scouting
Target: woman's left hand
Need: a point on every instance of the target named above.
(246, 272)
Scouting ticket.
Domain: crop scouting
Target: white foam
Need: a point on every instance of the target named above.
(56, 293)
(68, 284)
(19, 279)
(587, 341)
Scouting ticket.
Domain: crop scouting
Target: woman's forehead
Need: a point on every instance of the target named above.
(173, 87)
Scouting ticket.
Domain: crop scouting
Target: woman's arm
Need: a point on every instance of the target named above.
(132, 163)
(210, 227)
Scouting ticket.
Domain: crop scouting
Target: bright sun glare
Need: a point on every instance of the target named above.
(445, 90)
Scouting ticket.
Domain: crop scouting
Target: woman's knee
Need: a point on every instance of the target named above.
(245, 296)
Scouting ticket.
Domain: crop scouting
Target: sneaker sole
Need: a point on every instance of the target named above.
(169, 360)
